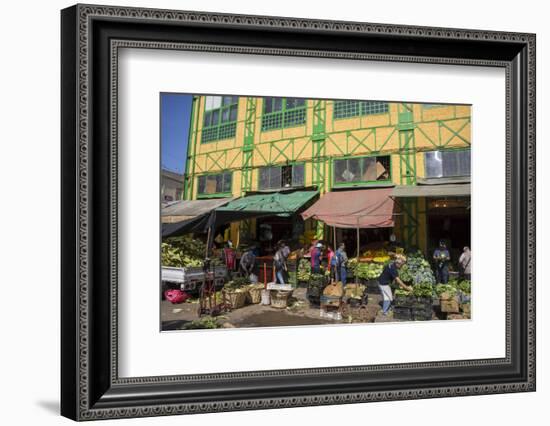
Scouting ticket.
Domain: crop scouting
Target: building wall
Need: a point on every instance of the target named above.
(404, 133)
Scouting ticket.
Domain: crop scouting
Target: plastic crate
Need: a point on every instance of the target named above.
(403, 314)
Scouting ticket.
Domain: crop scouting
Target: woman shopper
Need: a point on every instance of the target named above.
(390, 273)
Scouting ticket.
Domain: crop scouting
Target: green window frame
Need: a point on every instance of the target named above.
(349, 109)
(361, 171)
(280, 177)
(280, 113)
(214, 185)
(219, 118)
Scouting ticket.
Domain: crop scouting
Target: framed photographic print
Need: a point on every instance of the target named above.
(263, 212)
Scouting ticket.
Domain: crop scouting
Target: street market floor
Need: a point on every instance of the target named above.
(300, 312)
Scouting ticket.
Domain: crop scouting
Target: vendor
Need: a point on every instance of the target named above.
(247, 262)
(316, 254)
(389, 274)
(442, 258)
(279, 264)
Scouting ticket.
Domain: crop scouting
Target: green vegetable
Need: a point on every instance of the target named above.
(465, 286)
(204, 322)
(417, 270)
(237, 283)
(402, 293)
(445, 288)
(422, 290)
(368, 271)
(304, 270)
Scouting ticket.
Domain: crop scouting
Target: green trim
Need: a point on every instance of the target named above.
(362, 182)
(193, 134)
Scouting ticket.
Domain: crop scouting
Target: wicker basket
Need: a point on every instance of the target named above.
(279, 299)
(254, 294)
(236, 299)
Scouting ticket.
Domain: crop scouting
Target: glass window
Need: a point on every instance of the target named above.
(275, 177)
(220, 116)
(347, 109)
(452, 163)
(361, 169)
(283, 112)
(215, 184)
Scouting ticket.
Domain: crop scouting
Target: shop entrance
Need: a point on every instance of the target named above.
(449, 220)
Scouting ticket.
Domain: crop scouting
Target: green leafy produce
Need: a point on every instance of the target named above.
(204, 322)
(368, 271)
(317, 280)
(182, 252)
(402, 292)
(352, 266)
(237, 283)
(445, 288)
(465, 286)
(304, 270)
(417, 270)
(422, 290)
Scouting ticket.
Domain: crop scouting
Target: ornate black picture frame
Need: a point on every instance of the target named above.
(91, 37)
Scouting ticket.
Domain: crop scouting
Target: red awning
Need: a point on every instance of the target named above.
(367, 208)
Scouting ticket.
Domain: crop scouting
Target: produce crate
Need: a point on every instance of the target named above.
(279, 299)
(450, 306)
(402, 314)
(422, 314)
(422, 303)
(465, 308)
(404, 301)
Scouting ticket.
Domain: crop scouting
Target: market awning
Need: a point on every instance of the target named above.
(366, 208)
(447, 190)
(195, 224)
(261, 205)
(183, 210)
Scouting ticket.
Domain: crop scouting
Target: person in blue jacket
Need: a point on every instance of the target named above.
(441, 258)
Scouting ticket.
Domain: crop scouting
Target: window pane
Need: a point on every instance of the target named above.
(343, 109)
(433, 164)
(268, 105)
(275, 178)
(225, 115)
(216, 102)
(277, 104)
(450, 163)
(298, 175)
(294, 103)
(210, 184)
(227, 100)
(339, 169)
(215, 117)
(227, 182)
(219, 183)
(264, 178)
(383, 167)
(202, 184)
(207, 118)
(233, 113)
(208, 103)
(464, 164)
(369, 169)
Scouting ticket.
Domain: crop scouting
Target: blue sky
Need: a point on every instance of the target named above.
(175, 118)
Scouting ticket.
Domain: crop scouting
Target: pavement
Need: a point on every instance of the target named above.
(299, 312)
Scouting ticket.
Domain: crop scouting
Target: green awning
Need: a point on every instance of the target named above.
(278, 203)
(261, 205)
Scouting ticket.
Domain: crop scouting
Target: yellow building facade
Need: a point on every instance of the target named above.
(239, 145)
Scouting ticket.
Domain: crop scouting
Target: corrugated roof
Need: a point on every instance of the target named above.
(277, 203)
(192, 208)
